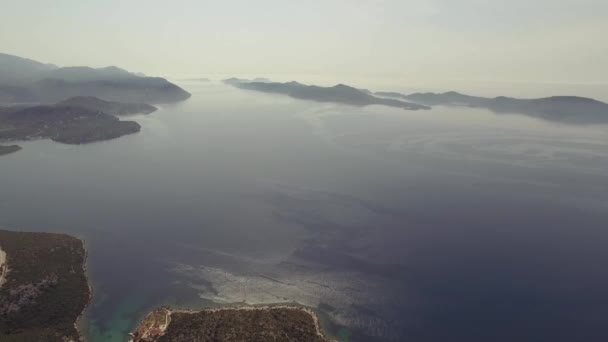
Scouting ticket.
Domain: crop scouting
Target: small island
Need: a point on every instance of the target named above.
(78, 120)
(9, 149)
(340, 93)
(43, 286)
(268, 323)
(62, 123)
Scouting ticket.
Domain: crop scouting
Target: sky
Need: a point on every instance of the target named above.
(496, 40)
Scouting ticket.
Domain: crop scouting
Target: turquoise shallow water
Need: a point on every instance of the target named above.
(119, 325)
(398, 225)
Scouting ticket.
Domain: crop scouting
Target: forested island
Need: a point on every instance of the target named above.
(255, 324)
(43, 286)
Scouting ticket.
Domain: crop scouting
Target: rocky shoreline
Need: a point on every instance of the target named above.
(302, 322)
(84, 270)
(3, 267)
(44, 257)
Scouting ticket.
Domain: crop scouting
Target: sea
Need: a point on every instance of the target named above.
(452, 224)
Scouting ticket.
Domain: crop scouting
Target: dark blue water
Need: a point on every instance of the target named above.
(447, 225)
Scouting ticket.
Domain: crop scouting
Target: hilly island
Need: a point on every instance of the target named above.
(24, 80)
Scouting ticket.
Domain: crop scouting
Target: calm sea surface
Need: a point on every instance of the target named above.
(454, 224)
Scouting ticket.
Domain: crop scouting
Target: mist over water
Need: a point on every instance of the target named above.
(454, 224)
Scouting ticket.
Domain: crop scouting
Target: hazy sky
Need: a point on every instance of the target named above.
(522, 40)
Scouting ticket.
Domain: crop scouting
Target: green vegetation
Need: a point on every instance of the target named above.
(46, 288)
(279, 324)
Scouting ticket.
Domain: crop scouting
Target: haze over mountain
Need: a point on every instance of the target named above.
(25, 80)
(19, 71)
(444, 38)
(339, 93)
(567, 109)
(460, 222)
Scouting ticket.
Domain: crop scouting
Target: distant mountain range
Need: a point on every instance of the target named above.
(567, 109)
(15, 71)
(338, 94)
(26, 80)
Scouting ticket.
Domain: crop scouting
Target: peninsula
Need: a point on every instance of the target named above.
(340, 93)
(274, 323)
(43, 286)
